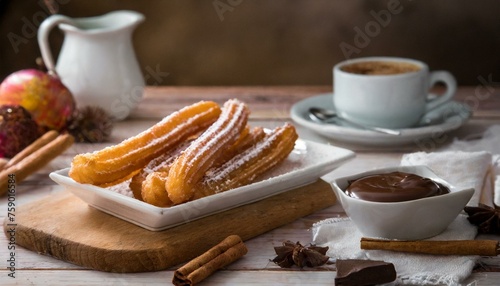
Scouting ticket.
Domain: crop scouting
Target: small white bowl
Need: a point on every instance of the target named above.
(408, 220)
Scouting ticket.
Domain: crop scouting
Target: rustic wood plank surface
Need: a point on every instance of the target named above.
(270, 107)
(60, 227)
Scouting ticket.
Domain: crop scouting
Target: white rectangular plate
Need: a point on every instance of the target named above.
(308, 162)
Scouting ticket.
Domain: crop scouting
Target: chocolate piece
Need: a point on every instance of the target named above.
(364, 272)
(394, 187)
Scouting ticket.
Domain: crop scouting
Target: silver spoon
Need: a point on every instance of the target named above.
(329, 116)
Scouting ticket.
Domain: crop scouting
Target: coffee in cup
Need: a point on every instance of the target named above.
(380, 68)
(388, 92)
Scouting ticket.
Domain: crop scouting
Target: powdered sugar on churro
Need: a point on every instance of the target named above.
(294, 162)
(218, 133)
(165, 159)
(116, 162)
(244, 168)
(225, 156)
(190, 167)
(180, 130)
(222, 172)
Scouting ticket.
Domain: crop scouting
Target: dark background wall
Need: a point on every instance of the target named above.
(279, 42)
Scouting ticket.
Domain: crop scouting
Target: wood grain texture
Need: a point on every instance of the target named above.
(68, 229)
(270, 108)
(274, 102)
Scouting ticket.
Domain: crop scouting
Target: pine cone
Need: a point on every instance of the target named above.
(91, 124)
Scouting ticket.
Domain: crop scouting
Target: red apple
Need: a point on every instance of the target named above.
(50, 103)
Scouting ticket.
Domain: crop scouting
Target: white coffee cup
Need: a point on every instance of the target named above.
(397, 100)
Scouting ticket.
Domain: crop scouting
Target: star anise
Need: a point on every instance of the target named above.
(485, 217)
(296, 254)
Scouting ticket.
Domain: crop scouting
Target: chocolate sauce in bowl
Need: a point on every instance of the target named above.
(394, 187)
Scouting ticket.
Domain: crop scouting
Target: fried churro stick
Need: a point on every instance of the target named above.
(153, 189)
(115, 162)
(189, 168)
(160, 164)
(36, 160)
(245, 167)
(246, 140)
(121, 180)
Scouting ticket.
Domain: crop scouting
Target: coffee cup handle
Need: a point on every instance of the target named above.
(451, 87)
(43, 39)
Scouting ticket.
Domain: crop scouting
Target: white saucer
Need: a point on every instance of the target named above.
(448, 117)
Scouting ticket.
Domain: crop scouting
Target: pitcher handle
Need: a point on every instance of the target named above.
(43, 39)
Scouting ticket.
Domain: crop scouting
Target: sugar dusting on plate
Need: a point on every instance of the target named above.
(122, 188)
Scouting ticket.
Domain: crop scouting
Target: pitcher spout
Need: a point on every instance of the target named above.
(125, 18)
(110, 22)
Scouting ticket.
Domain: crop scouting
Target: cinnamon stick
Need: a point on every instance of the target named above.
(443, 247)
(37, 144)
(224, 253)
(35, 160)
(3, 163)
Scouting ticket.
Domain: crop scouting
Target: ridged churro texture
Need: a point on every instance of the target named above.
(153, 189)
(161, 164)
(188, 169)
(115, 163)
(195, 152)
(165, 161)
(245, 167)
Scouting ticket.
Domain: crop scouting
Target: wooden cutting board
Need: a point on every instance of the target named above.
(67, 228)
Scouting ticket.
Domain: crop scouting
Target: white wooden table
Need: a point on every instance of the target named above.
(270, 107)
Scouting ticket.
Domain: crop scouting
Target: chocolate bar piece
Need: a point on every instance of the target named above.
(364, 272)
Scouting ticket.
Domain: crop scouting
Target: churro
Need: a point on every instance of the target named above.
(117, 162)
(153, 188)
(247, 139)
(188, 169)
(197, 151)
(160, 164)
(244, 168)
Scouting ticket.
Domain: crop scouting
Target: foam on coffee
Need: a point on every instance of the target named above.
(380, 68)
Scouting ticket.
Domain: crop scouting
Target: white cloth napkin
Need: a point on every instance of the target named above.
(462, 169)
(343, 239)
(487, 141)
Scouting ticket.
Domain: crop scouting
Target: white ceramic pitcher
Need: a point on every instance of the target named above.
(97, 61)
